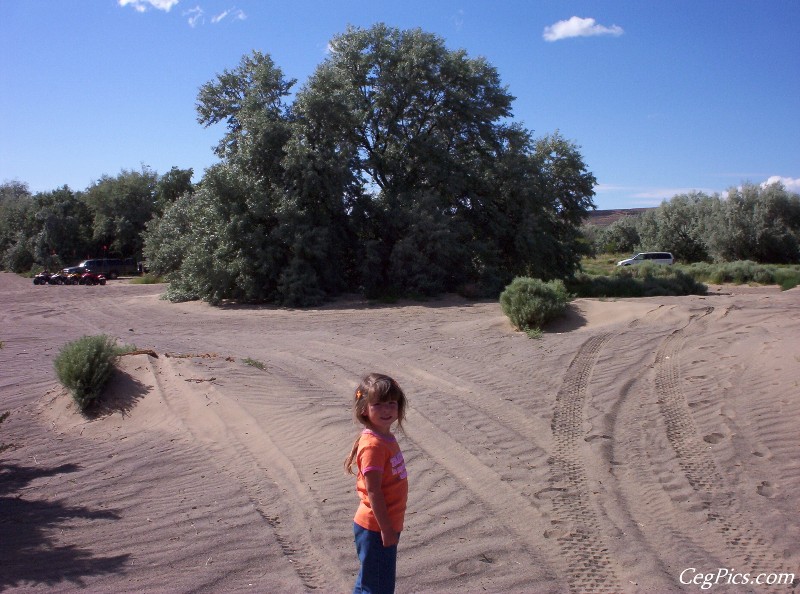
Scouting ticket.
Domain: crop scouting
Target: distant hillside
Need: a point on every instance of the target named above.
(603, 218)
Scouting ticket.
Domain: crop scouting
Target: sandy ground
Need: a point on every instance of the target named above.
(635, 440)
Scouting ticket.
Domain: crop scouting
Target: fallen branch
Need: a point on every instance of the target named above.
(150, 352)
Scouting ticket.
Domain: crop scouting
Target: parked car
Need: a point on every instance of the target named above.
(654, 257)
(91, 278)
(74, 270)
(110, 267)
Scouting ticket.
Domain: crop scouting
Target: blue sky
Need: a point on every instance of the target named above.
(662, 97)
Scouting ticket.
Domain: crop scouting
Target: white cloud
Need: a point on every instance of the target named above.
(458, 19)
(649, 193)
(195, 16)
(792, 184)
(144, 5)
(220, 16)
(578, 27)
(669, 193)
(644, 196)
(235, 14)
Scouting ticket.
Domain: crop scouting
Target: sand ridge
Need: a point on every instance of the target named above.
(635, 439)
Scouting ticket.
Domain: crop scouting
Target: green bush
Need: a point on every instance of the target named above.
(84, 366)
(764, 276)
(787, 277)
(745, 271)
(530, 302)
(147, 279)
(645, 280)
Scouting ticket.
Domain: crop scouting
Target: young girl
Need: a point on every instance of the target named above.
(381, 482)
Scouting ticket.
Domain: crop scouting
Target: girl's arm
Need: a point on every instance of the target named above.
(378, 504)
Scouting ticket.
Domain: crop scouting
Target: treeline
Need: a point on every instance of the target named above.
(55, 229)
(396, 169)
(760, 224)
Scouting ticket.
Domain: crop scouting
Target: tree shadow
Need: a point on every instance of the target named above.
(29, 553)
(357, 302)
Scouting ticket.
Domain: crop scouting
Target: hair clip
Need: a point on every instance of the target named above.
(359, 394)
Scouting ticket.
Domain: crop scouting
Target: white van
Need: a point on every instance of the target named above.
(654, 257)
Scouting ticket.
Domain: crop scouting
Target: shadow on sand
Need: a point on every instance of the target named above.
(29, 551)
(120, 395)
(352, 301)
(571, 320)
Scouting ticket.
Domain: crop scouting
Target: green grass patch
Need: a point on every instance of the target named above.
(147, 279)
(602, 264)
(644, 280)
(534, 333)
(254, 363)
(84, 367)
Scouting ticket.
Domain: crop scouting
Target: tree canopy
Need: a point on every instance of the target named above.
(395, 170)
(759, 223)
(61, 227)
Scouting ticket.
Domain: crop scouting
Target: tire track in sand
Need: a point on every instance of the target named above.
(739, 536)
(275, 492)
(474, 474)
(589, 566)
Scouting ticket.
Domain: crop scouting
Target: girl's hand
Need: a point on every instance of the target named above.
(389, 537)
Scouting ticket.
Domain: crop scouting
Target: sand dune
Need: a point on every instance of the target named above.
(634, 440)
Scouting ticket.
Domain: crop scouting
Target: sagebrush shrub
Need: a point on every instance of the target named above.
(530, 302)
(787, 278)
(745, 271)
(763, 276)
(645, 280)
(84, 366)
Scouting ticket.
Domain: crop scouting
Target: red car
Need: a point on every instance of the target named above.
(90, 278)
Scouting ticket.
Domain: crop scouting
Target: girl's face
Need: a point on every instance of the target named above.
(381, 415)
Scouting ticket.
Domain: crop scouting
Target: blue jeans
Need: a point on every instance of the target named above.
(378, 563)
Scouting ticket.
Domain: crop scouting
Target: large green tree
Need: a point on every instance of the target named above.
(753, 222)
(273, 201)
(64, 228)
(395, 170)
(171, 186)
(121, 206)
(759, 223)
(445, 191)
(60, 227)
(17, 217)
(50, 229)
(677, 226)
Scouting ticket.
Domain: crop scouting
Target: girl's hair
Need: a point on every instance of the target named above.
(374, 389)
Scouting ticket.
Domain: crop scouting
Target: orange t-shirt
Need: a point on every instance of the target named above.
(377, 453)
